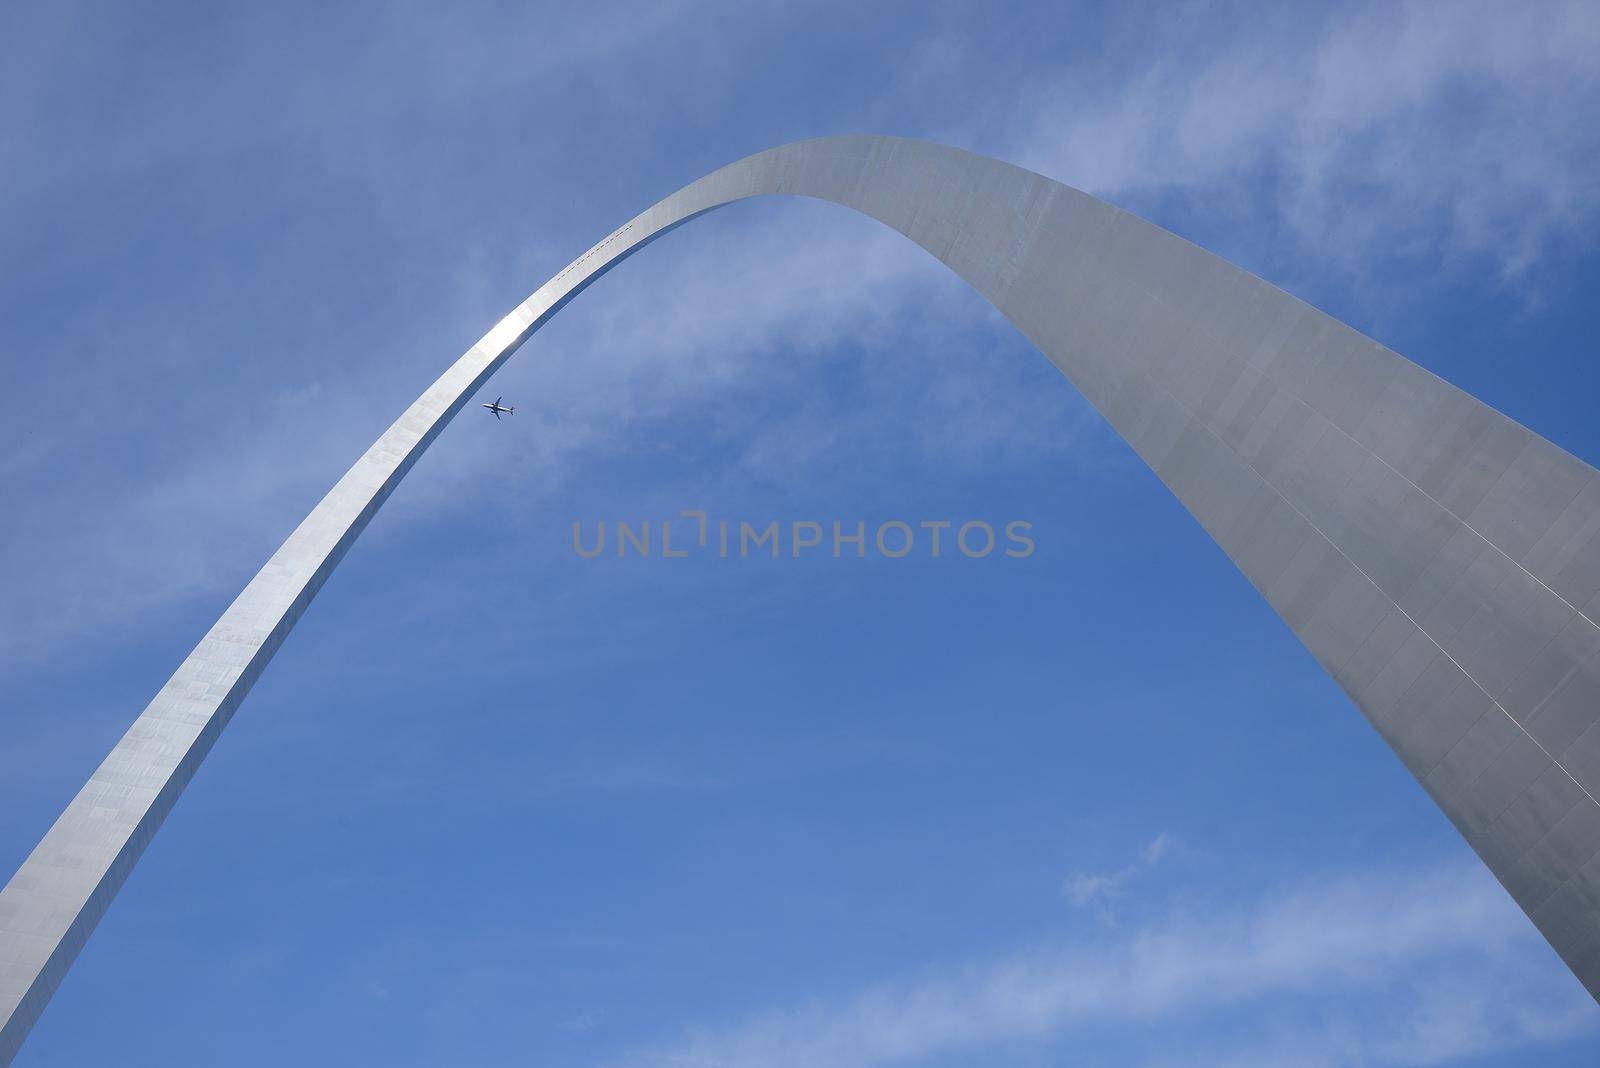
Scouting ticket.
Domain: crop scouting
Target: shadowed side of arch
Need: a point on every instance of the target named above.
(1441, 561)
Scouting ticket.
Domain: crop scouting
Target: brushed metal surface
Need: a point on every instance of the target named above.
(1441, 561)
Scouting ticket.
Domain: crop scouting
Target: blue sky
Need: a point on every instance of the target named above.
(496, 804)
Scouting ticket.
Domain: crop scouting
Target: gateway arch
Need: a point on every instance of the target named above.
(1441, 561)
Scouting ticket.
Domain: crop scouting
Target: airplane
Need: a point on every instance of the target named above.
(497, 409)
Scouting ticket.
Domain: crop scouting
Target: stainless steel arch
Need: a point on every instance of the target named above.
(1441, 561)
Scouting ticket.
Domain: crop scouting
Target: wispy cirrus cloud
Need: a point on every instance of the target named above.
(1407, 967)
(1307, 145)
(812, 341)
(1431, 134)
(1086, 888)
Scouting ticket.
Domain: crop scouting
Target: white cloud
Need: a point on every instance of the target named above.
(1408, 967)
(1085, 888)
(738, 323)
(1431, 133)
